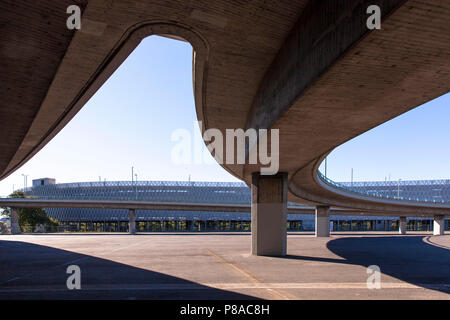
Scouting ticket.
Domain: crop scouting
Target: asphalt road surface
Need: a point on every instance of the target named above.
(219, 266)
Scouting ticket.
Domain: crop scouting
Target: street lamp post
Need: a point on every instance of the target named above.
(25, 182)
(135, 175)
(132, 177)
(351, 183)
(398, 189)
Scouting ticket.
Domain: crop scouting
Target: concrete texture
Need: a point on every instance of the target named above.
(341, 81)
(383, 75)
(235, 41)
(402, 225)
(33, 41)
(438, 225)
(269, 214)
(324, 31)
(132, 222)
(322, 221)
(219, 266)
(15, 228)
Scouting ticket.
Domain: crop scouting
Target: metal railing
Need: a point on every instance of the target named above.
(426, 191)
(163, 191)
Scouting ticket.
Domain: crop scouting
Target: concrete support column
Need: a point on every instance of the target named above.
(322, 221)
(402, 225)
(15, 229)
(132, 222)
(438, 225)
(269, 212)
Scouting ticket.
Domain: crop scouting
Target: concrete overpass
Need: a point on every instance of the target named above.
(311, 69)
(132, 206)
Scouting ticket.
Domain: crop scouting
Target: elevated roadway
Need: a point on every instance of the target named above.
(132, 206)
(311, 69)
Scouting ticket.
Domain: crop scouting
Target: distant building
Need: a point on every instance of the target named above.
(43, 182)
(211, 193)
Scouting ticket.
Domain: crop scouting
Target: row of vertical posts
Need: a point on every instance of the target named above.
(438, 225)
(269, 216)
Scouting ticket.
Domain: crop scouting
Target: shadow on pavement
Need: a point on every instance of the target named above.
(408, 259)
(30, 271)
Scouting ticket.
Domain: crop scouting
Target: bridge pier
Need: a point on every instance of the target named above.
(15, 228)
(269, 214)
(438, 225)
(132, 222)
(402, 225)
(322, 221)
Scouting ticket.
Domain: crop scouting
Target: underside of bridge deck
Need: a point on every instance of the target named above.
(311, 69)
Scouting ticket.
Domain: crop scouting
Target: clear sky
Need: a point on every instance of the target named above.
(413, 146)
(130, 120)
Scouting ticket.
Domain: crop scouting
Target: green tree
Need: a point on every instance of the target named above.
(17, 194)
(30, 216)
(3, 228)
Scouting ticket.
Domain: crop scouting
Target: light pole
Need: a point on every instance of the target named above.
(24, 182)
(136, 184)
(132, 177)
(398, 189)
(352, 179)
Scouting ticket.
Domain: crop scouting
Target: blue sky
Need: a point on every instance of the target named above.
(129, 122)
(413, 146)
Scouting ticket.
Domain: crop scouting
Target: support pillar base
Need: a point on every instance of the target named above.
(402, 225)
(15, 228)
(269, 214)
(438, 225)
(132, 222)
(322, 221)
